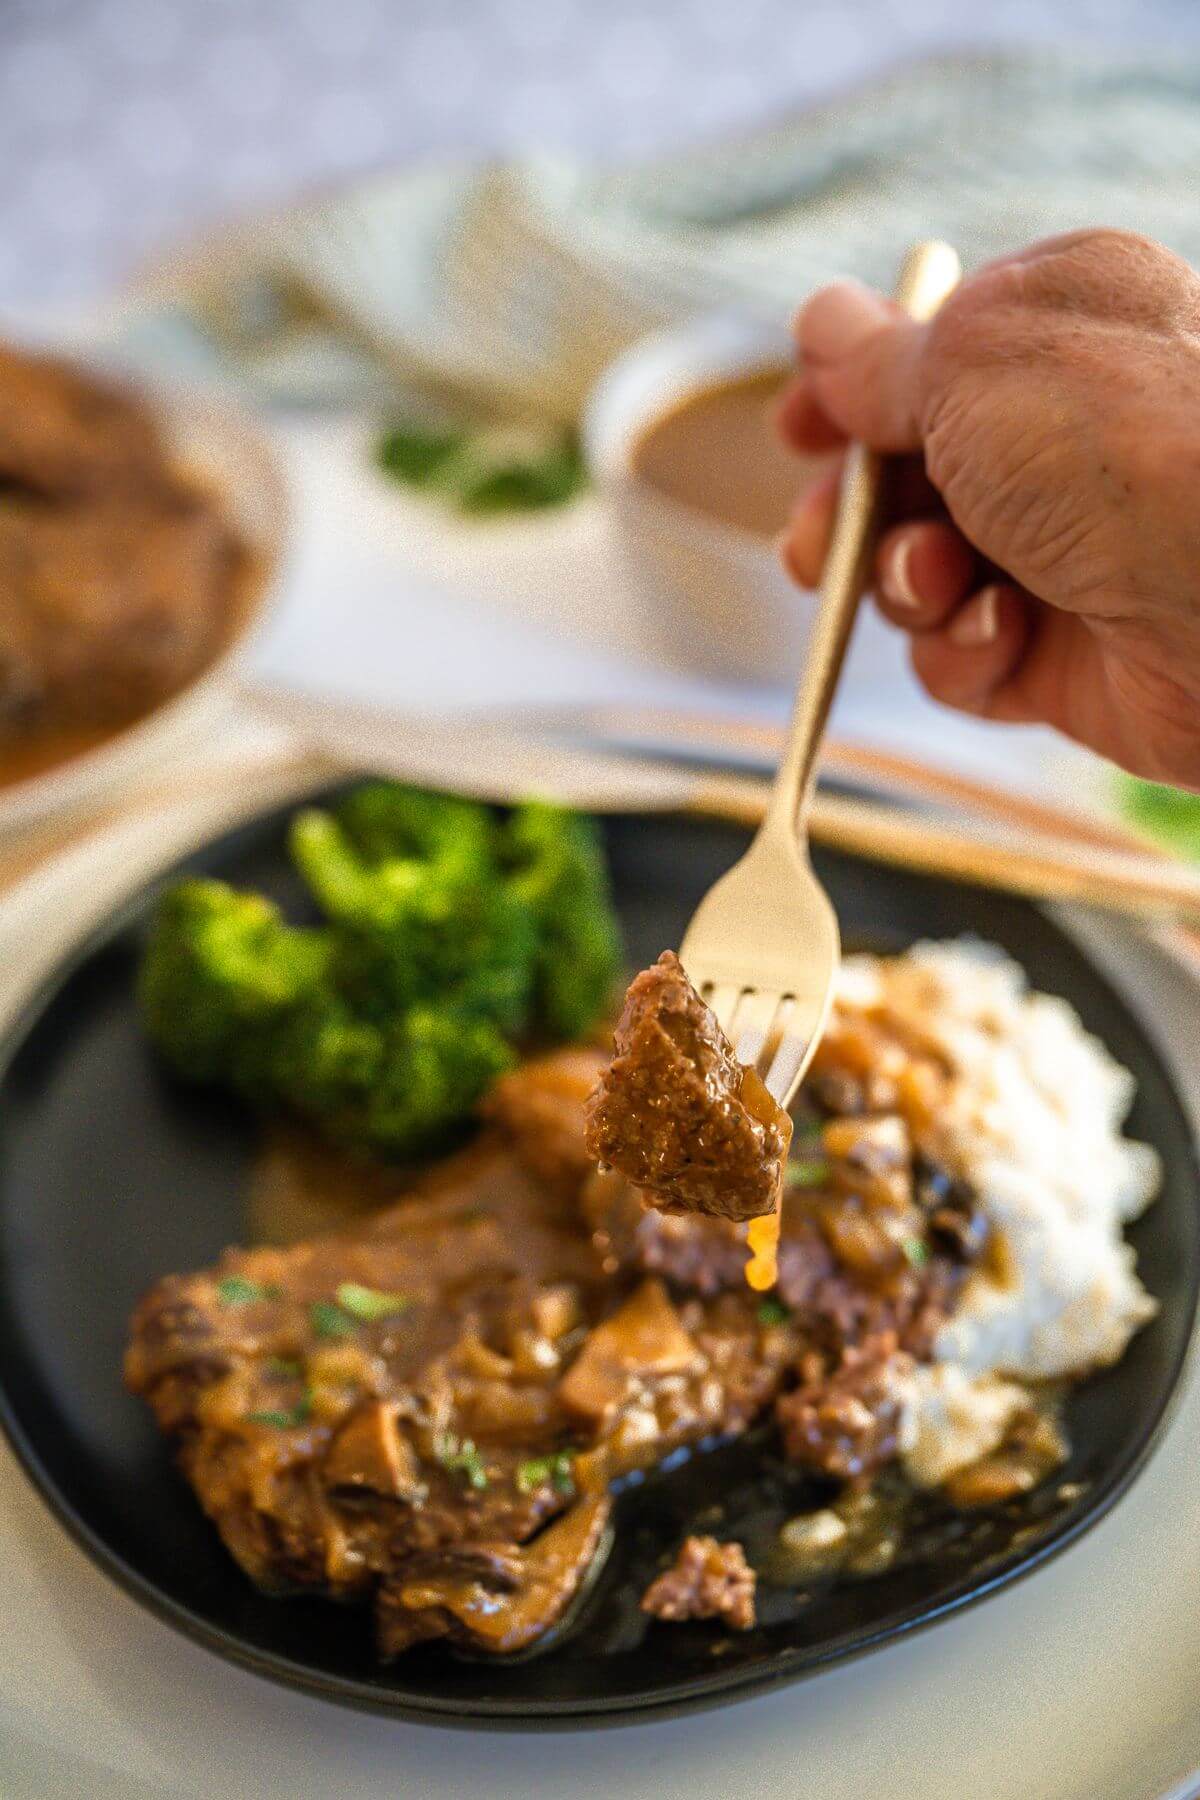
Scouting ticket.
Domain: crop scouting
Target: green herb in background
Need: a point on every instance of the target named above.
(284, 1421)
(1172, 815)
(523, 484)
(772, 1312)
(238, 1290)
(418, 455)
(329, 1321)
(916, 1251)
(458, 1456)
(555, 1469)
(486, 471)
(285, 1367)
(806, 1172)
(370, 1304)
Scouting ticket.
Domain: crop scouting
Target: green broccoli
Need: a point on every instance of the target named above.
(436, 1066)
(323, 1058)
(403, 1089)
(557, 870)
(384, 819)
(450, 936)
(221, 969)
(410, 930)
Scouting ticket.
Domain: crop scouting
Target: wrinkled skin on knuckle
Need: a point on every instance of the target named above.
(1059, 407)
(1022, 483)
(1045, 411)
(1164, 738)
(1115, 276)
(1159, 476)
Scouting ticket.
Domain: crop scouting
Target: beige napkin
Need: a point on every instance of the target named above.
(512, 285)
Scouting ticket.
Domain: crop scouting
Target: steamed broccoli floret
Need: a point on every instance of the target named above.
(450, 936)
(323, 1058)
(557, 870)
(220, 971)
(435, 1066)
(384, 820)
(411, 930)
(404, 1088)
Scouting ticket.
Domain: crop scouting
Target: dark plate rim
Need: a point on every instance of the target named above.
(693, 1693)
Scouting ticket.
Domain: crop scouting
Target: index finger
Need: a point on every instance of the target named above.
(803, 423)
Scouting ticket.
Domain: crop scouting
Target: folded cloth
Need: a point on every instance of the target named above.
(512, 285)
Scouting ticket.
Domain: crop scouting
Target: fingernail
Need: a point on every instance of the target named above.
(838, 319)
(978, 622)
(895, 580)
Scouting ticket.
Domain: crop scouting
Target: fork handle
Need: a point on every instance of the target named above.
(929, 272)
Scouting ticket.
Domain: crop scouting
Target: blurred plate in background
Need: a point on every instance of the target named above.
(218, 448)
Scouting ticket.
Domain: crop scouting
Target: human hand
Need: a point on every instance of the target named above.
(1043, 545)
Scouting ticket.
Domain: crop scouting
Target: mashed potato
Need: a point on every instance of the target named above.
(1033, 1123)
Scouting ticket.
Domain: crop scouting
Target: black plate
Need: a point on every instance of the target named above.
(110, 1176)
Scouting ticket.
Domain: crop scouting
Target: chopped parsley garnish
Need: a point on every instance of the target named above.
(284, 1420)
(329, 1321)
(806, 1172)
(917, 1251)
(419, 454)
(772, 1312)
(285, 1366)
(239, 1290)
(370, 1303)
(554, 1469)
(489, 470)
(458, 1456)
(546, 477)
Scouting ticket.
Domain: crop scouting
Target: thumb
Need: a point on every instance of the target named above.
(861, 355)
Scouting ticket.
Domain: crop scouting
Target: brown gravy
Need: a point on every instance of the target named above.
(717, 451)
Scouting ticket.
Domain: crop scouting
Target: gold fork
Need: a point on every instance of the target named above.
(763, 945)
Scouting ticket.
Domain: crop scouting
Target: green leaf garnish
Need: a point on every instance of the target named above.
(521, 484)
(281, 1420)
(370, 1303)
(809, 1132)
(554, 1469)
(458, 1456)
(419, 455)
(239, 1290)
(917, 1251)
(806, 1172)
(329, 1321)
(493, 470)
(1172, 815)
(773, 1312)
(285, 1366)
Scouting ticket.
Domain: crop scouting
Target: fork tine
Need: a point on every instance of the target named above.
(787, 1066)
(723, 1000)
(753, 1030)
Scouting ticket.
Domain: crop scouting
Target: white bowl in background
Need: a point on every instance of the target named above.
(714, 595)
(214, 443)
